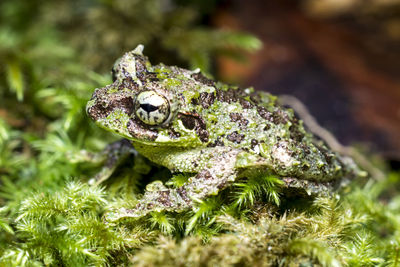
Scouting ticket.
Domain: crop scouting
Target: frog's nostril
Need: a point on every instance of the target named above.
(103, 103)
(114, 75)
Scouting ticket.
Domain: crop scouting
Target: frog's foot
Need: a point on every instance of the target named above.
(208, 181)
(111, 157)
(160, 198)
(157, 198)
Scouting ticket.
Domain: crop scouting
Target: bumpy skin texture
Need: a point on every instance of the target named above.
(216, 132)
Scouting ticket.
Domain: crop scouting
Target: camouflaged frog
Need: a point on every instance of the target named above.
(215, 132)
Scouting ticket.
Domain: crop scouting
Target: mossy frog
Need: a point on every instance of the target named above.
(215, 132)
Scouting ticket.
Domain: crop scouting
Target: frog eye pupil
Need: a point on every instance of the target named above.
(148, 107)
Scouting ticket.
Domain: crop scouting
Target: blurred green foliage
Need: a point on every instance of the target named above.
(53, 54)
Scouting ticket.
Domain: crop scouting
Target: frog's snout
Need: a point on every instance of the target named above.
(96, 108)
(102, 104)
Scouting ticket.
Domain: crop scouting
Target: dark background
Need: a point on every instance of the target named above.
(341, 58)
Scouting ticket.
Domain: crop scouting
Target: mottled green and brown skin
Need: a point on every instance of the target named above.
(216, 132)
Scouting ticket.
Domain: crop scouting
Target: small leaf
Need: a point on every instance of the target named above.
(241, 40)
(15, 78)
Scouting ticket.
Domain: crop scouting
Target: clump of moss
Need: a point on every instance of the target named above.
(65, 228)
(333, 231)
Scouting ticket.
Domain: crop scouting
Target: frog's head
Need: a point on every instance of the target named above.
(143, 103)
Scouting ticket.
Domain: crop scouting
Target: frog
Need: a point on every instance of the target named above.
(213, 132)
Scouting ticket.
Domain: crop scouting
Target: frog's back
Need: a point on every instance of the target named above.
(254, 122)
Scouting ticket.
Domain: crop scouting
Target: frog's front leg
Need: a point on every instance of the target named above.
(109, 158)
(112, 156)
(215, 169)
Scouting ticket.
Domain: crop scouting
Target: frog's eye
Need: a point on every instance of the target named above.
(152, 108)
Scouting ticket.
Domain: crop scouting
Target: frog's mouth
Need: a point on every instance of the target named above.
(113, 112)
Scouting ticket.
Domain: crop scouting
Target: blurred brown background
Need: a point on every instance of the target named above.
(339, 57)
